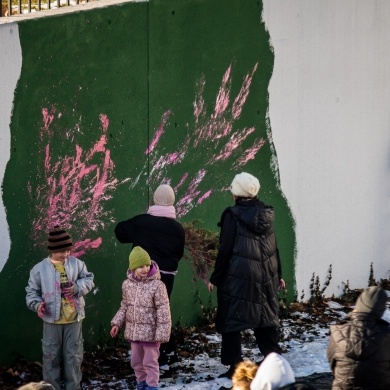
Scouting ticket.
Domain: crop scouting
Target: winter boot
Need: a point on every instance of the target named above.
(141, 385)
(229, 373)
(172, 358)
(163, 359)
(166, 374)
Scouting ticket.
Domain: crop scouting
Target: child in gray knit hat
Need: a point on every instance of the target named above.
(372, 301)
(359, 348)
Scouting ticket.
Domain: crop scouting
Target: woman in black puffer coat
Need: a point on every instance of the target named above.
(359, 349)
(247, 273)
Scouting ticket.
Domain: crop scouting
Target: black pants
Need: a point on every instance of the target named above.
(170, 346)
(266, 338)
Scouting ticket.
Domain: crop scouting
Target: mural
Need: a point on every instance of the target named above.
(97, 127)
(211, 141)
(71, 189)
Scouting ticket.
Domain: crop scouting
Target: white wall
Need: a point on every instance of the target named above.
(330, 121)
(9, 74)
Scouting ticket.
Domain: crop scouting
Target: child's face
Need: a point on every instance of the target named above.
(60, 256)
(142, 272)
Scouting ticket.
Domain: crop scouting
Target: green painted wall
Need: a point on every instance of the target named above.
(110, 103)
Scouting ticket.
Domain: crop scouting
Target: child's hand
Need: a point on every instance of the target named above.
(41, 310)
(114, 331)
(69, 291)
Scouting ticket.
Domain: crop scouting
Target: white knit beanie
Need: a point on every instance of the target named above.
(274, 372)
(245, 185)
(164, 195)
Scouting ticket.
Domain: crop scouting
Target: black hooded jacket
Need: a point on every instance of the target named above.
(359, 353)
(247, 269)
(163, 238)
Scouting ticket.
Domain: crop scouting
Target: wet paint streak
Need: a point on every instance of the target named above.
(240, 100)
(205, 196)
(159, 132)
(48, 118)
(186, 202)
(199, 101)
(73, 188)
(104, 122)
(222, 101)
(81, 247)
(250, 153)
(235, 141)
(210, 141)
(181, 182)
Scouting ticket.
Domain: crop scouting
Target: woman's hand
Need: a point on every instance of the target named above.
(210, 287)
(282, 284)
(114, 331)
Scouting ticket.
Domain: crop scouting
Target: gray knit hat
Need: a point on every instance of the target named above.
(372, 300)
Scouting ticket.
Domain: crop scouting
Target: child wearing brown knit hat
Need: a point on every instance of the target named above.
(55, 291)
(146, 316)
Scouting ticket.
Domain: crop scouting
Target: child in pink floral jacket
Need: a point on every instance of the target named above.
(146, 313)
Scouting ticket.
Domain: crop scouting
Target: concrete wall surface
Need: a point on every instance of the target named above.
(330, 123)
(100, 105)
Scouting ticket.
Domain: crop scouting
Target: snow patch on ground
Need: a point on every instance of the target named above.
(305, 339)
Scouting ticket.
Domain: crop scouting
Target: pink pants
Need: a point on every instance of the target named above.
(144, 360)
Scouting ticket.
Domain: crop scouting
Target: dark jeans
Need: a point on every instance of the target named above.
(168, 280)
(266, 338)
(170, 346)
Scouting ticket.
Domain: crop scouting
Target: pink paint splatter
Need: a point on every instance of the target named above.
(214, 142)
(76, 184)
(204, 196)
(199, 101)
(159, 132)
(74, 187)
(81, 247)
(234, 142)
(250, 153)
(240, 100)
(48, 117)
(222, 101)
(104, 122)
